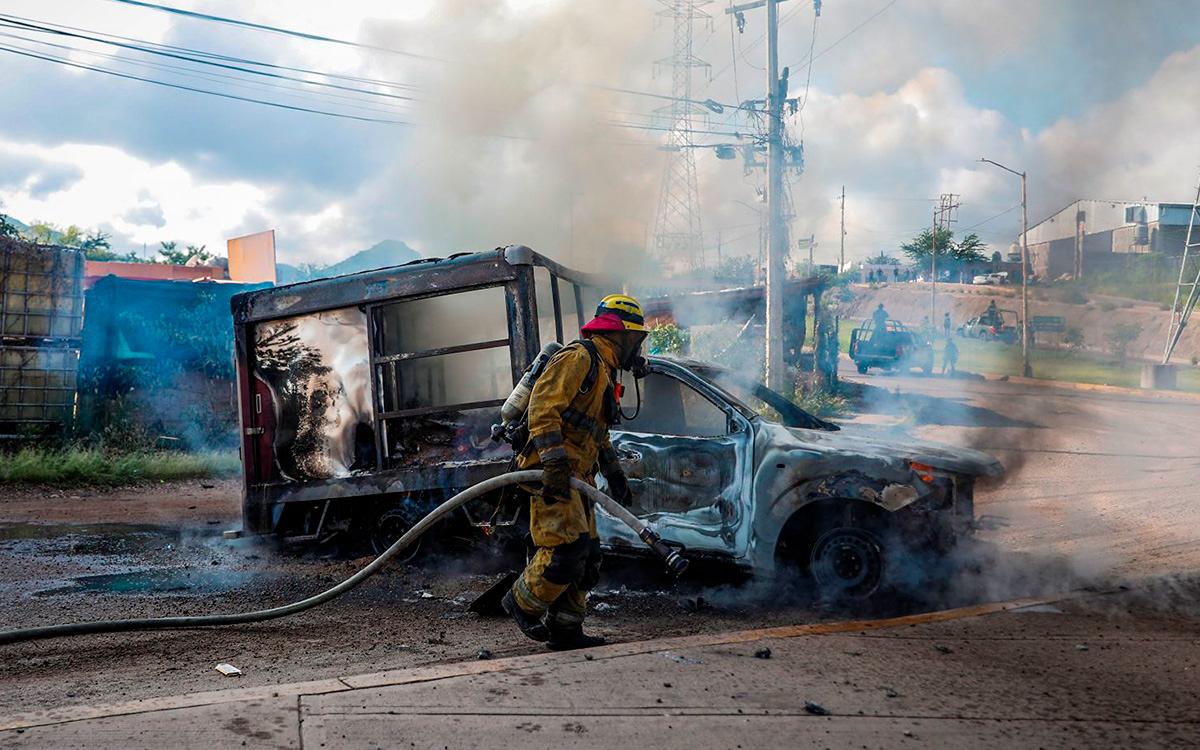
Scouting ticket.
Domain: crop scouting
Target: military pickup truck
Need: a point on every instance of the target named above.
(368, 399)
(891, 346)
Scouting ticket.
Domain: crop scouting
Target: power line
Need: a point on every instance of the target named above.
(179, 70)
(223, 95)
(843, 37)
(273, 29)
(706, 103)
(6, 21)
(1010, 209)
(690, 131)
(280, 105)
(212, 55)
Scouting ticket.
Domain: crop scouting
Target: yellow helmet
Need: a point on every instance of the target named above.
(617, 312)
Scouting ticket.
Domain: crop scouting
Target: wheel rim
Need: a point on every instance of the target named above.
(847, 563)
(390, 526)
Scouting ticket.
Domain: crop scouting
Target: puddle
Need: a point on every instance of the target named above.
(97, 538)
(150, 582)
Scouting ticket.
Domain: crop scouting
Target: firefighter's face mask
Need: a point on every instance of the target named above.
(629, 350)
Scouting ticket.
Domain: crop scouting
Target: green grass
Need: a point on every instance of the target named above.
(1051, 364)
(87, 466)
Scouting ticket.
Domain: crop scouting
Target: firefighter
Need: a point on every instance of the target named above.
(573, 404)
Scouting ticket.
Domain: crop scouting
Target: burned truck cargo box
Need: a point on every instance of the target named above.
(384, 385)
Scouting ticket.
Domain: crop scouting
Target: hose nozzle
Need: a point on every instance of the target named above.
(676, 563)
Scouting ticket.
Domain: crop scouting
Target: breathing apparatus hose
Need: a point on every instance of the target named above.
(670, 555)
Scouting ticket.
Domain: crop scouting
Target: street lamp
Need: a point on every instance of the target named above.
(1026, 369)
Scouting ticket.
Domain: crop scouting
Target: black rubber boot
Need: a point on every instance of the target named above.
(529, 625)
(572, 638)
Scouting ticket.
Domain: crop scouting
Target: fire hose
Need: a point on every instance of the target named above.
(675, 562)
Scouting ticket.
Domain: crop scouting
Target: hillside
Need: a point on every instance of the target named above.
(379, 255)
(909, 302)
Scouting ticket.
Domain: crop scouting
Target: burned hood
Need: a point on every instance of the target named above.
(938, 455)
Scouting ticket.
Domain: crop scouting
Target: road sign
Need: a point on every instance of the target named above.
(1049, 323)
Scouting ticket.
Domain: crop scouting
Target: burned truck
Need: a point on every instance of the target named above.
(368, 399)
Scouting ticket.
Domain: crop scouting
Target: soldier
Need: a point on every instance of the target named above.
(572, 405)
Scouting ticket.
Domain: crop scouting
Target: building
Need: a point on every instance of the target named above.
(1095, 235)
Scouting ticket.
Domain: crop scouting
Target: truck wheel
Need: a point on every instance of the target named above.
(847, 563)
(392, 524)
(862, 369)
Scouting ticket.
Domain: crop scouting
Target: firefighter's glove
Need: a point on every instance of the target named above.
(618, 487)
(556, 479)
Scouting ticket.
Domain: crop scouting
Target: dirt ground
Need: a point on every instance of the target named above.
(1100, 488)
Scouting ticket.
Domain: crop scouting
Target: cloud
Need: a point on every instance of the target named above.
(136, 198)
(151, 215)
(509, 148)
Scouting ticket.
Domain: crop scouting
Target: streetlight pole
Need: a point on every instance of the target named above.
(1026, 369)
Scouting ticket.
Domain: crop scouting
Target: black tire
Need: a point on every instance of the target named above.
(862, 369)
(847, 563)
(389, 526)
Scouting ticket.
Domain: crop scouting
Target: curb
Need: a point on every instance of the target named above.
(1094, 387)
(436, 672)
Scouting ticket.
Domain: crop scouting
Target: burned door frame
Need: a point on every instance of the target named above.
(729, 538)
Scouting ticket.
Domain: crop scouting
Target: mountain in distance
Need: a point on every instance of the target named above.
(379, 255)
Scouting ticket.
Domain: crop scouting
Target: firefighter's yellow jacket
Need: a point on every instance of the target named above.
(563, 421)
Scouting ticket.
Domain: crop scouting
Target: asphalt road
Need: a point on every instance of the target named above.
(1101, 487)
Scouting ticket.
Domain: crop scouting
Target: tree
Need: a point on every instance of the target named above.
(949, 253)
(42, 232)
(1120, 336)
(971, 249)
(883, 259)
(737, 268)
(72, 236)
(96, 246)
(668, 338)
(171, 253)
(6, 229)
(1073, 338)
(199, 253)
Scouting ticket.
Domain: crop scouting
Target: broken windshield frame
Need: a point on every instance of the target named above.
(721, 380)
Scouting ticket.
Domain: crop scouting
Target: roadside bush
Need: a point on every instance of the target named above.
(90, 466)
(1073, 338)
(1195, 360)
(1074, 296)
(823, 403)
(668, 338)
(1108, 306)
(1119, 337)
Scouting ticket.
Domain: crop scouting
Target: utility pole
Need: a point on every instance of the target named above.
(943, 216)
(776, 225)
(842, 253)
(777, 242)
(1026, 367)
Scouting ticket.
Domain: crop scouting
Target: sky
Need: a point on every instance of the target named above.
(501, 126)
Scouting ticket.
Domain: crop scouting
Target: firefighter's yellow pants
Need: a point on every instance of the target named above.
(565, 566)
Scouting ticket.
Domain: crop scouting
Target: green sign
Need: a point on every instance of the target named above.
(1049, 323)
